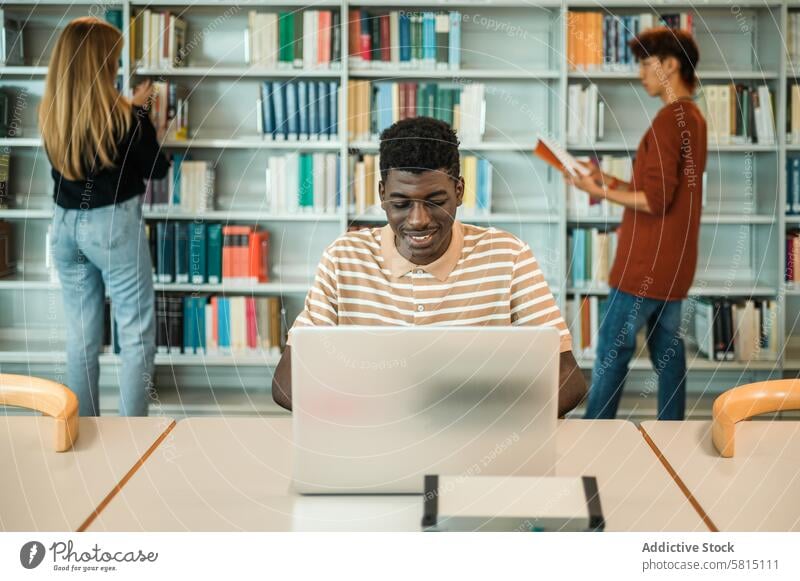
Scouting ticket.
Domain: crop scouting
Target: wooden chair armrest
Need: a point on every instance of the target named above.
(746, 401)
(48, 397)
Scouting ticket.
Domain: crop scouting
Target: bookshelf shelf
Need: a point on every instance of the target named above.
(632, 75)
(20, 142)
(694, 362)
(249, 142)
(704, 219)
(632, 144)
(41, 282)
(22, 71)
(243, 71)
(491, 218)
(356, 73)
(238, 215)
(524, 144)
(702, 290)
(30, 354)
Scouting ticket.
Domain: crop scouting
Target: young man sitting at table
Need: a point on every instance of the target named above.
(388, 275)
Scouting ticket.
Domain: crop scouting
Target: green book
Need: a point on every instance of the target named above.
(298, 40)
(197, 253)
(284, 37)
(416, 38)
(422, 105)
(214, 253)
(306, 181)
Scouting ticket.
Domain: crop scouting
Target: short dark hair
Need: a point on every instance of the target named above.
(664, 42)
(419, 144)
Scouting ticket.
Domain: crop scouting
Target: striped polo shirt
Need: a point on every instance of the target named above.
(486, 277)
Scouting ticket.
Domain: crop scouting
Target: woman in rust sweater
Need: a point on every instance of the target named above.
(657, 241)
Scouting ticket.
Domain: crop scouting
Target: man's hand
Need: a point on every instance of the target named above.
(143, 94)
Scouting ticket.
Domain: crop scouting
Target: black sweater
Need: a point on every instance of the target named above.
(139, 158)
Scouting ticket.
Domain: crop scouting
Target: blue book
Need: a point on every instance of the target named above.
(455, 40)
(223, 323)
(578, 256)
(484, 193)
(279, 106)
(200, 324)
(796, 185)
(324, 106)
(313, 111)
(608, 36)
(197, 252)
(165, 252)
(177, 160)
(181, 252)
(292, 113)
(302, 95)
(267, 109)
(405, 36)
(333, 108)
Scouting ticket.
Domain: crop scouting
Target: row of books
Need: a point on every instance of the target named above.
(404, 39)
(12, 102)
(374, 106)
(169, 110)
(303, 183)
(585, 114)
(793, 256)
(294, 39)
(158, 39)
(723, 330)
(738, 114)
(590, 253)
(11, 45)
(581, 205)
(599, 41)
(726, 330)
(365, 172)
(299, 110)
(199, 253)
(210, 325)
(188, 187)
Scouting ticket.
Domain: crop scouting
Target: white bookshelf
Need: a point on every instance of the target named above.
(528, 78)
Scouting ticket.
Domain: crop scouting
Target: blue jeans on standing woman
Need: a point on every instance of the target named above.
(625, 315)
(94, 250)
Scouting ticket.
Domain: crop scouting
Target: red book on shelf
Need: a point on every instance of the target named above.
(324, 36)
(411, 99)
(354, 33)
(401, 101)
(259, 256)
(234, 252)
(252, 329)
(366, 47)
(386, 54)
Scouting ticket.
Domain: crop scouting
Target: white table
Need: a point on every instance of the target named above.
(224, 474)
(756, 490)
(44, 490)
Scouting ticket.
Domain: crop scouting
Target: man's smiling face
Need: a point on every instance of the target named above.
(420, 208)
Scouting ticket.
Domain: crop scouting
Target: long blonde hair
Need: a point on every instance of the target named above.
(82, 115)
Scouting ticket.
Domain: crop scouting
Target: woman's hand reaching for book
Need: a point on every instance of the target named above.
(142, 94)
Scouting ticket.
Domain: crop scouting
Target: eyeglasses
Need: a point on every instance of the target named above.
(402, 207)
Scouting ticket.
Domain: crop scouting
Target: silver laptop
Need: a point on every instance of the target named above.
(377, 408)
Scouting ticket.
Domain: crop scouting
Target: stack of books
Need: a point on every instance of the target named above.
(598, 41)
(11, 45)
(477, 174)
(200, 253)
(169, 110)
(793, 38)
(364, 177)
(187, 188)
(590, 254)
(404, 39)
(303, 183)
(299, 110)
(372, 107)
(293, 39)
(585, 115)
(581, 205)
(157, 39)
(737, 114)
(726, 330)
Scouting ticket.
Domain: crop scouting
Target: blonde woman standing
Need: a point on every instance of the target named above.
(102, 148)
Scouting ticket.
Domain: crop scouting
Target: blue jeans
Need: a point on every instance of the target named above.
(94, 250)
(626, 314)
